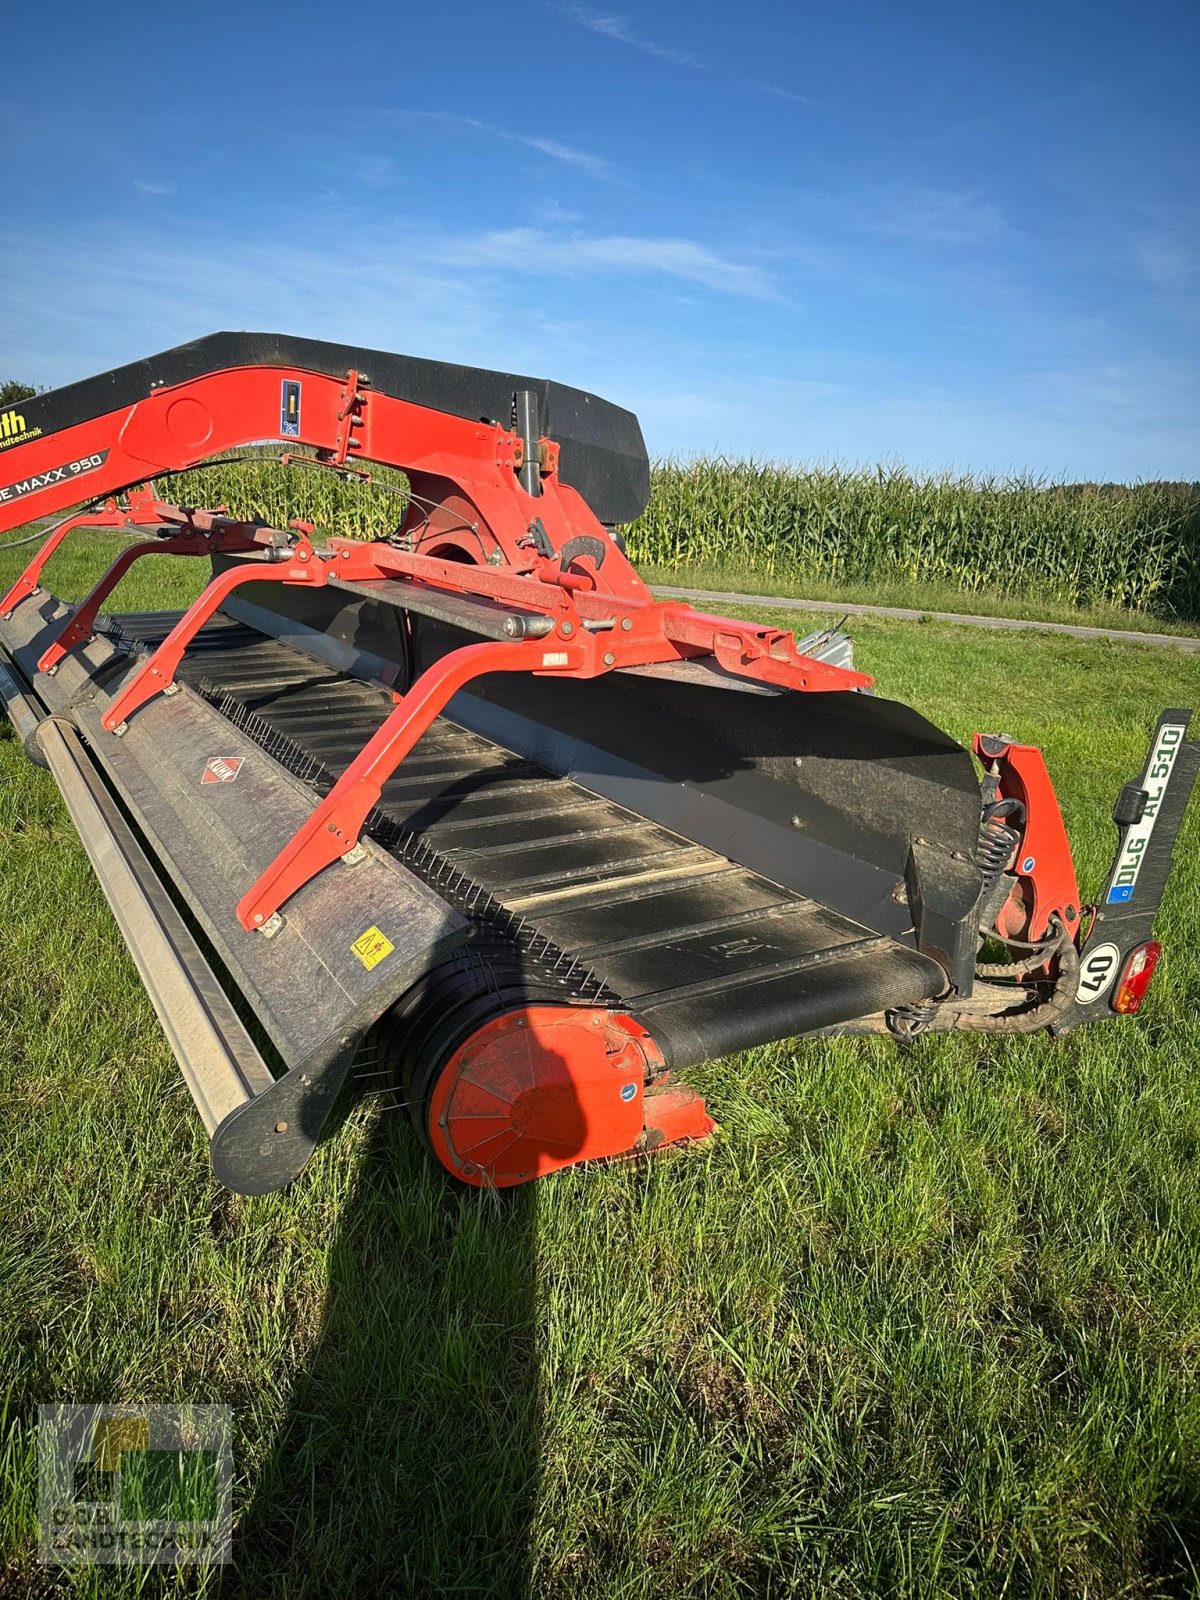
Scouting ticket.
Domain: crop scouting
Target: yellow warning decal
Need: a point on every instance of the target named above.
(371, 947)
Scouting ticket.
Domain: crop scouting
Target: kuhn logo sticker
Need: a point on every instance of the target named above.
(45, 480)
(222, 769)
(1137, 835)
(1097, 969)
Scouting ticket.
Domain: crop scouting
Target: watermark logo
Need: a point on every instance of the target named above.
(137, 1485)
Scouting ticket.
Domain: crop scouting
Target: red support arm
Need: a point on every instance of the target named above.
(112, 516)
(83, 622)
(643, 630)
(334, 827)
(302, 566)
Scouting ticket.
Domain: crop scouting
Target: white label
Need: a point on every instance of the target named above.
(1097, 969)
(1133, 850)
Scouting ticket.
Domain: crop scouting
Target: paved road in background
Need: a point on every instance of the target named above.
(842, 608)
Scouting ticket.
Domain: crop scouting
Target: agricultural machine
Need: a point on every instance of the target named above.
(470, 794)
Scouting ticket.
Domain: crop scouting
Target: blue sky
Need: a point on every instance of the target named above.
(950, 235)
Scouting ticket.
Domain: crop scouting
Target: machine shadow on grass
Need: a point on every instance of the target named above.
(408, 1460)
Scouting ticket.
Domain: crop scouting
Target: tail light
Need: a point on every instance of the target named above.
(1135, 977)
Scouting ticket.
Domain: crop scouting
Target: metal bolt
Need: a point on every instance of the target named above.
(609, 658)
(797, 761)
(50, 671)
(171, 688)
(626, 624)
(567, 629)
(797, 822)
(121, 729)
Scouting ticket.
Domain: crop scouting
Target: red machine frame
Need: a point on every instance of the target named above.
(471, 527)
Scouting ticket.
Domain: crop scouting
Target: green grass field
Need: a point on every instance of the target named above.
(918, 1321)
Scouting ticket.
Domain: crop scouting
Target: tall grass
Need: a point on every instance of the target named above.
(1137, 547)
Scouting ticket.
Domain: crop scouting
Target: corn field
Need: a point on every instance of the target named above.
(1083, 544)
(1086, 544)
(253, 484)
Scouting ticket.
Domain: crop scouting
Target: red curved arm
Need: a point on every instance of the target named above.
(448, 459)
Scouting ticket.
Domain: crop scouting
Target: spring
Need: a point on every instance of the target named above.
(907, 1021)
(997, 841)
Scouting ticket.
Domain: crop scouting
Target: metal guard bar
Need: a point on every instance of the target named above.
(221, 1065)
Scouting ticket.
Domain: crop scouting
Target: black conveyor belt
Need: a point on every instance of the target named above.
(709, 955)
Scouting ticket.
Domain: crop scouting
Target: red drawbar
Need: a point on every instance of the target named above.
(548, 1086)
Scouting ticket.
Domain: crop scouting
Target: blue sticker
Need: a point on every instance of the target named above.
(628, 1090)
(289, 409)
(1028, 864)
(1120, 894)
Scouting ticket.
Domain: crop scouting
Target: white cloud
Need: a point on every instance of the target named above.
(537, 250)
(376, 172)
(160, 188)
(932, 216)
(779, 92)
(1167, 264)
(594, 166)
(550, 210)
(614, 26)
(453, 302)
